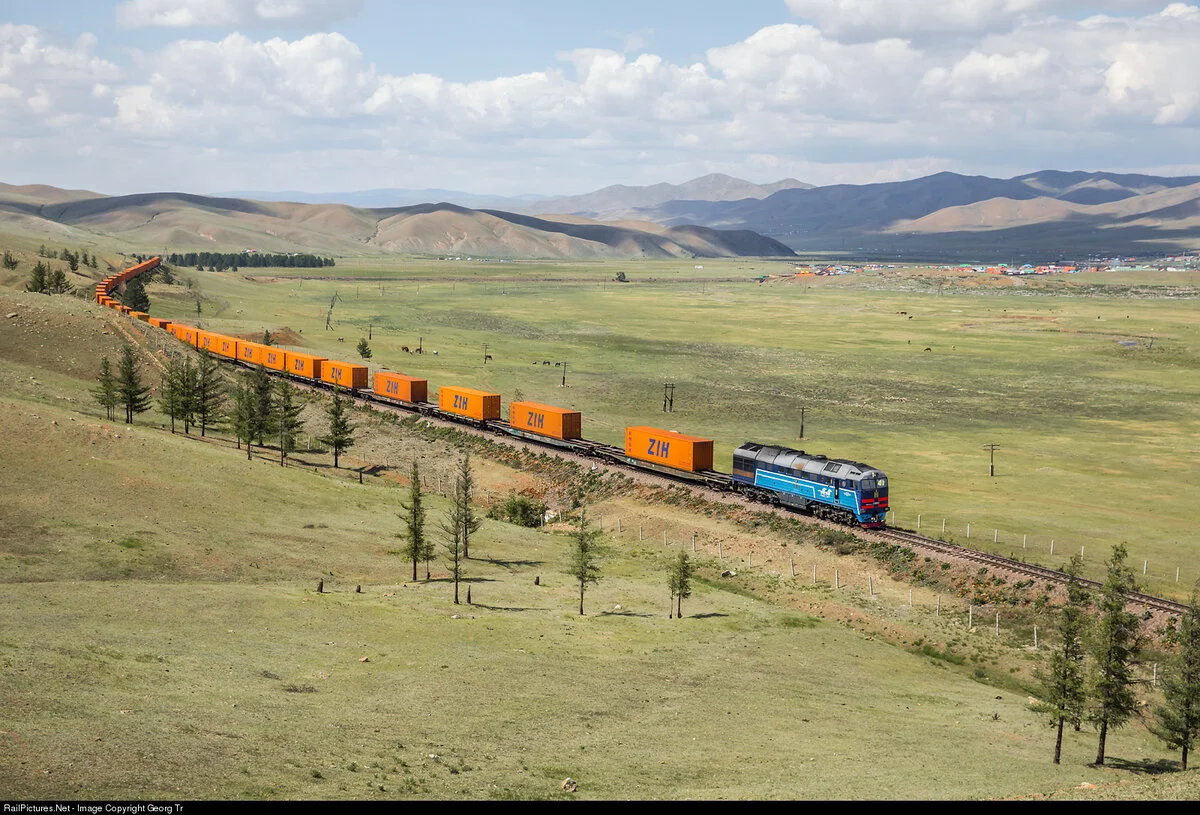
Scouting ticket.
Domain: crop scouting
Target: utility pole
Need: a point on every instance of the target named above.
(668, 397)
(801, 421)
(485, 356)
(564, 379)
(991, 448)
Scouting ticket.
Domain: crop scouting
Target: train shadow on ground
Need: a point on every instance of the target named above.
(624, 613)
(706, 616)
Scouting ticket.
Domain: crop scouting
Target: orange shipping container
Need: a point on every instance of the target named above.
(669, 448)
(469, 402)
(185, 333)
(225, 346)
(159, 322)
(344, 374)
(545, 420)
(273, 358)
(141, 315)
(251, 352)
(305, 365)
(404, 388)
(206, 340)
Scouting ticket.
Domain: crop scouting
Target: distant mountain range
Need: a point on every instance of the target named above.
(183, 222)
(391, 197)
(1043, 215)
(949, 214)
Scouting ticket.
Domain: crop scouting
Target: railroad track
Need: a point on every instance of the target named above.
(1038, 572)
(584, 450)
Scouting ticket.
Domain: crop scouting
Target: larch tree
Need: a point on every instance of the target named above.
(465, 494)
(584, 563)
(680, 581)
(106, 390)
(452, 531)
(1177, 720)
(264, 404)
(135, 295)
(130, 391)
(1114, 648)
(208, 393)
(170, 400)
(243, 414)
(415, 542)
(1064, 688)
(341, 430)
(287, 418)
(39, 280)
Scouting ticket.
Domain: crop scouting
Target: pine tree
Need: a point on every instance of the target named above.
(208, 393)
(1064, 690)
(135, 296)
(584, 556)
(57, 283)
(264, 397)
(243, 415)
(130, 391)
(1178, 718)
(465, 482)
(415, 542)
(267, 338)
(38, 280)
(170, 400)
(1114, 649)
(287, 418)
(341, 430)
(452, 529)
(10, 260)
(680, 582)
(72, 260)
(364, 350)
(106, 391)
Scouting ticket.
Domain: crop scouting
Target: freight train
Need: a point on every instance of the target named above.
(835, 489)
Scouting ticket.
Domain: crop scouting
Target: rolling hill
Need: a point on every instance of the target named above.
(184, 221)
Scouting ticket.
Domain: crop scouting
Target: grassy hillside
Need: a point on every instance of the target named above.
(162, 636)
(1097, 424)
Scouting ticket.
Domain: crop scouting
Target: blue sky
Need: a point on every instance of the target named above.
(559, 98)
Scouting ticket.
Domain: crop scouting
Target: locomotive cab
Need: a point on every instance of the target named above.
(873, 488)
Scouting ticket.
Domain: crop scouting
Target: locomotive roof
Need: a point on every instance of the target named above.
(806, 462)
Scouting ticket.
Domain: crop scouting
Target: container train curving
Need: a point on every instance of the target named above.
(835, 489)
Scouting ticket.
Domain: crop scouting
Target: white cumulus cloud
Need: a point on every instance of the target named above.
(234, 13)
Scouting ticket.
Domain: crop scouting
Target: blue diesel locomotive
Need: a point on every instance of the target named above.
(836, 489)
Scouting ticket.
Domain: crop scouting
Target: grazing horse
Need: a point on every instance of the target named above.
(404, 348)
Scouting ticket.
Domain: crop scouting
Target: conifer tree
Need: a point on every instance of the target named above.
(267, 338)
(1114, 649)
(57, 283)
(135, 296)
(170, 400)
(264, 397)
(341, 430)
(287, 418)
(38, 279)
(465, 482)
(452, 530)
(364, 349)
(415, 542)
(680, 582)
(1064, 690)
(208, 393)
(1178, 718)
(585, 566)
(10, 260)
(106, 391)
(243, 415)
(130, 391)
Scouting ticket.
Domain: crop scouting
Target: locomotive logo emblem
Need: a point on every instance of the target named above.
(825, 492)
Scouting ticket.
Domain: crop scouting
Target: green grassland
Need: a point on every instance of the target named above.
(1089, 383)
(161, 634)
